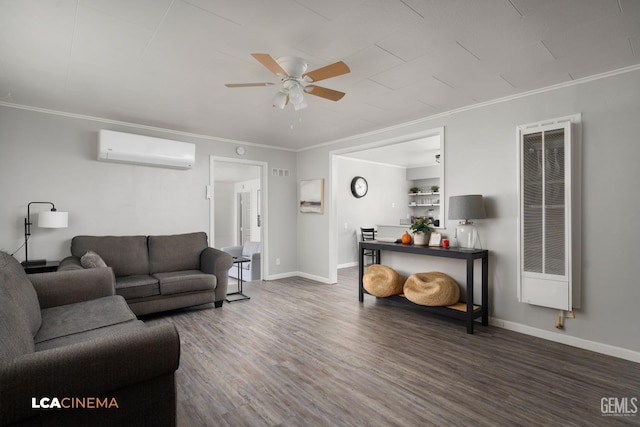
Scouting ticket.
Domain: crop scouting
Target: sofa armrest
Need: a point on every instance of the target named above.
(94, 368)
(217, 262)
(68, 287)
(255, 257)
(70, 263)
(235, 251)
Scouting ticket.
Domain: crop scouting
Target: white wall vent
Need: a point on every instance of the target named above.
(549, 260)
(144, 150)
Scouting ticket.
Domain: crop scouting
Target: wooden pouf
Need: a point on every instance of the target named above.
(382, 281)
(435, 289)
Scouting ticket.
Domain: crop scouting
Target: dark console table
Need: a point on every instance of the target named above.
(464, 311)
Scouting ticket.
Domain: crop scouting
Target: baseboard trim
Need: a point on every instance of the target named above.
(348, 264)
(314, 277)
(609, 350)
(282, 275)
(299, 274)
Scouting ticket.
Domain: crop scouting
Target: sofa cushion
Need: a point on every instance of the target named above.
(141, 286)
(127, 255)
(92, 260)
(110, 330)
(18, 290)
(176, 252)
(185, 281)
(83, 316)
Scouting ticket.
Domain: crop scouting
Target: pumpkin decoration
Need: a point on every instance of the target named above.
(406, 238)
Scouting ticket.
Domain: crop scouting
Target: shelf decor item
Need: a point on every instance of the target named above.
(46, 219)
(466, 208)
(421, 230)
(435, 239)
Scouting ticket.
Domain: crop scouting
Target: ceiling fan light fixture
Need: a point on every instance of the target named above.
(301, 105)
(293, 75)
(280, 99)
(295, 94)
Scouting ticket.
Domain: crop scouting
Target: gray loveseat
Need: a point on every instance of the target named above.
(159, 273)
(67, 336)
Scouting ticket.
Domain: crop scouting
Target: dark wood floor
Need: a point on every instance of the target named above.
(302, 353)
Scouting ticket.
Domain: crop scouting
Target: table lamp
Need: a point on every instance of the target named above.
(465, 208)
(46, 219)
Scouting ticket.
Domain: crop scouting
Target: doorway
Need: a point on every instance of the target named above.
(237, 203)
(409, 152)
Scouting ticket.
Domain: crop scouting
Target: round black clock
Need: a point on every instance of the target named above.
(359, 187)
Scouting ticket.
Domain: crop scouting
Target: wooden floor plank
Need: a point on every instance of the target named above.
(303, 353)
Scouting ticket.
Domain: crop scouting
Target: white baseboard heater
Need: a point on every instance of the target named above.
(143, 150)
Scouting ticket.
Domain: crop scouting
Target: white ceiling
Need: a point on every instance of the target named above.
(164, 63)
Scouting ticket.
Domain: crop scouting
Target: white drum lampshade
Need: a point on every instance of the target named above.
(466, 208)
(53, 219)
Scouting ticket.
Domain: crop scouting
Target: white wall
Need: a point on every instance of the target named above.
(384, 203)
(224, 218)
(50, 157)
(481, 159)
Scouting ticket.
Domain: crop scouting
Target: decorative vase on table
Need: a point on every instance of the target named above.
(421, 230)
(420, 238)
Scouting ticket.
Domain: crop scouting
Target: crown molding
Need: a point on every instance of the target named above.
(138, 126)
(336, 141)
(583, 80)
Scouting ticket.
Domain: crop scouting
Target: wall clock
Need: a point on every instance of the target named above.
(359, 187)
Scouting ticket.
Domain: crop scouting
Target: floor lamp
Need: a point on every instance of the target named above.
(465, 208)
(46, 219)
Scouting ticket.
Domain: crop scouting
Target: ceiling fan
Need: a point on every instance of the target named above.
(295, 80)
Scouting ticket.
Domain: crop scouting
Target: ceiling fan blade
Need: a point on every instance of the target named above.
(332, 70)
(323, 92)
(247, 84)
(270, 63)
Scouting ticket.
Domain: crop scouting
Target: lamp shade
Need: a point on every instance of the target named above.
(53, 219)
(466, 207)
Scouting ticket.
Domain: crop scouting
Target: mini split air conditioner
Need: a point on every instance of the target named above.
(144, 150)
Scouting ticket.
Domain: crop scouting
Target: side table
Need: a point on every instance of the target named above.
(42, 268)
(239, 295)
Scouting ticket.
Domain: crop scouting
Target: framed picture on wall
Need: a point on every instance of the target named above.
(312, 196)
(435, 239)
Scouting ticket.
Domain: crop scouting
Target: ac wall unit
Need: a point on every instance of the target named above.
(144, 150)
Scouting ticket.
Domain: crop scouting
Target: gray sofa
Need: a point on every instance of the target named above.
(67, 336)
(251, 269)
(159, 273)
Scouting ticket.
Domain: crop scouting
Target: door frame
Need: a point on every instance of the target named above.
(263, 202)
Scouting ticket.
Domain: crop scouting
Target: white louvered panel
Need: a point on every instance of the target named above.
(555, 208)
(544, 236)
(532, 220)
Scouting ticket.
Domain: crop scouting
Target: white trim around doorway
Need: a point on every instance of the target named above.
(264, 229)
